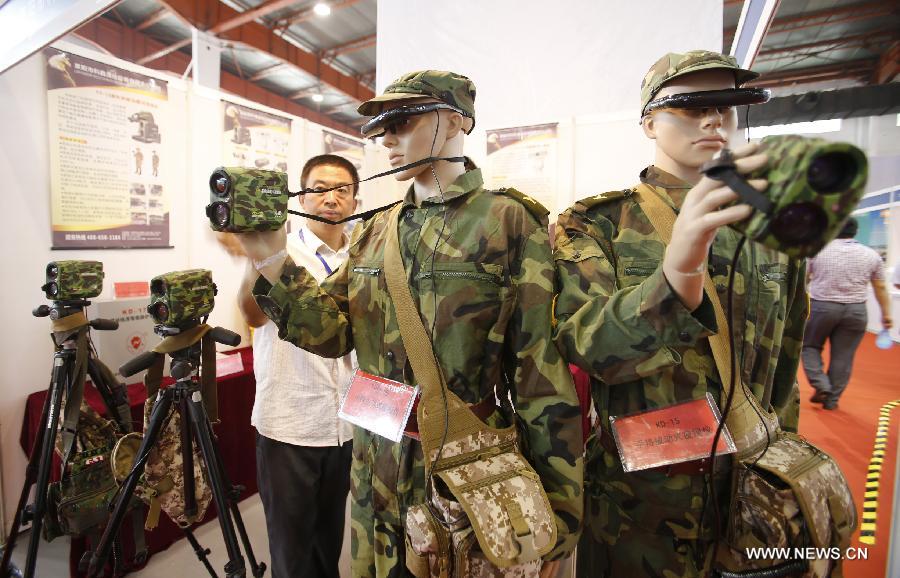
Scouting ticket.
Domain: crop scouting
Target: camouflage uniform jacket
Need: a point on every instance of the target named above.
(481, 272)
(619, 320)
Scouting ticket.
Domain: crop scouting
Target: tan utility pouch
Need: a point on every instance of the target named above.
(787, 492)
(795, 496)
(488, 513)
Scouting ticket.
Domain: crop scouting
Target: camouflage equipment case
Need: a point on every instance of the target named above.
(795, 496)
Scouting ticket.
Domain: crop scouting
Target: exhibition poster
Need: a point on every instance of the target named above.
(107, 127)
(255, 139)
(344, 146)
(525, 158)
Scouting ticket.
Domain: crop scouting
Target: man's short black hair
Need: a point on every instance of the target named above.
(850, 229)
(332, 160)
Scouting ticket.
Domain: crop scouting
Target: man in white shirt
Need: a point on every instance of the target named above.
(303, 451)
(839, 277)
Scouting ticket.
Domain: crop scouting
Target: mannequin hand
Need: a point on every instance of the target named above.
(701, 214)
(260, 245)
(548, 569)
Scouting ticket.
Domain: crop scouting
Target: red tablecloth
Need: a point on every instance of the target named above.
(235, 435)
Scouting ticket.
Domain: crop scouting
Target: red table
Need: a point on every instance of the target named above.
(235, 436)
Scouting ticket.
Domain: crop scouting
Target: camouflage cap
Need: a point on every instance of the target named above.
(449, 87)
(673, 65)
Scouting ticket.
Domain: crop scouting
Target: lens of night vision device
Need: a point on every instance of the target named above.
(831, 172)
(52, 289)
(799, 223)
(159, 311)
(218, 212)
(52, 271)
(220, 183)
(158, 287)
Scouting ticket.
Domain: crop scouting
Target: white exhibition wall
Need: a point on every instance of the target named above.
(25, 345)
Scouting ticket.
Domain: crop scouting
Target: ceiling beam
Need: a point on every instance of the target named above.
(250, 15)
(309, 13)
(841, 15)
(868, 38)
(333, 109)
(888, 65)
(152, 19)
(268, 71)
(305, 92)
(855, 69)
(347, 47)
(212, 15)
(164, 52)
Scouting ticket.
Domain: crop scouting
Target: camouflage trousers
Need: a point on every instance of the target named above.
(386, 478)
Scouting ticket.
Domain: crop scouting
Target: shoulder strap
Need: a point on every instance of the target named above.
(750, 425)
(431, 415)
(74, 396)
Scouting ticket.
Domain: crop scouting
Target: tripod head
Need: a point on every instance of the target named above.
(185, 359)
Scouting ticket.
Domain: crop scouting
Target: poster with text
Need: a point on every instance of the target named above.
(108, 128)
(344, 146)
(255, 139)
(525, 158)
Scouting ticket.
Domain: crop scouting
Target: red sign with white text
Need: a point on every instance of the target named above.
(377, 404)
(678, 433)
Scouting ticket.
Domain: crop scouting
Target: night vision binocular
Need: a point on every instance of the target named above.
(69, 280)
(180, 298)
(814, 185)
(243, 200)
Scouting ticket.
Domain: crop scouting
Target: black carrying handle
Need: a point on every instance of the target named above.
(723, 168)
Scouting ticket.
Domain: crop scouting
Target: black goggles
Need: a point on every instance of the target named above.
(710, 99)
(395, 118)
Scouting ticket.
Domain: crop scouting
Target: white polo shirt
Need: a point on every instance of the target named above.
(297, 392)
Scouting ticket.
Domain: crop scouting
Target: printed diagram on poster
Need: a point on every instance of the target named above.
(525, 158)
(108, 163)
(255, 139)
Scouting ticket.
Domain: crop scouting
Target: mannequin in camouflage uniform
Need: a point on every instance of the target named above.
(633, 314)
(481, 273)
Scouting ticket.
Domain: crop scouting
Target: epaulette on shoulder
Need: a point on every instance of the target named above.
(534, 207)
(602, 198)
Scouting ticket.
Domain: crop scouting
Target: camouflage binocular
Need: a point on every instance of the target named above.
(814, 185)
(68, 280)
(180, 297)
(243, 200)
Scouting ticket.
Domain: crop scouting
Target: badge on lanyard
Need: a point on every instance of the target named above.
(378, 404)
(677, 433)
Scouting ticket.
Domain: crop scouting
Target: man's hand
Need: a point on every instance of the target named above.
(548, 569)
(260, 245)
(695, 228)
(886, 322)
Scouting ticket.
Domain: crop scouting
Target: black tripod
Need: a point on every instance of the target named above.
(70, 333)
(186, 393)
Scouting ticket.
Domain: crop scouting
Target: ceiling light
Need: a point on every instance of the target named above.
(322, 9)
(318, 97)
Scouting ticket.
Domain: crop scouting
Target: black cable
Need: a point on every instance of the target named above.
(717, 525)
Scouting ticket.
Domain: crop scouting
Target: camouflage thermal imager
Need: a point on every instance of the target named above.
(73, 280)
(181, 296)
(243, 200)
(814, 185)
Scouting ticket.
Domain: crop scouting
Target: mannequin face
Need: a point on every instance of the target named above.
(333, 205)
(690, 138)
(414, 138)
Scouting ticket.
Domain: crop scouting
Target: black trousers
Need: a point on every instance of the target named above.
(304, 495)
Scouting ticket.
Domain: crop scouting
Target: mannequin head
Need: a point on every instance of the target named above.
(688, 138)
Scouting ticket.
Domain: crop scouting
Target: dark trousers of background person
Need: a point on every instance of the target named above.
(304, 495)
(843, 325)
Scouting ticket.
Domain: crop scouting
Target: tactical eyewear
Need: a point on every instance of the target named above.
(397, 118)
(704, 100)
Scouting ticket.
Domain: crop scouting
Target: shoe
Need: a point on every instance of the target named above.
(819, 397)
(830, 404)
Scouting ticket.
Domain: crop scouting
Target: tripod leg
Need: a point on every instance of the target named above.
(200, 423)
(30, 476)
(258, 569)
(200, 551)
(157, 418)
(187, 459)
(61, 373)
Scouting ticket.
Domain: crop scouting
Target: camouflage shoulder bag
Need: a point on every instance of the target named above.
(786, 493)
(487, 513)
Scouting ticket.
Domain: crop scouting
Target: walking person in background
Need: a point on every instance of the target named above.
(839, 277)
